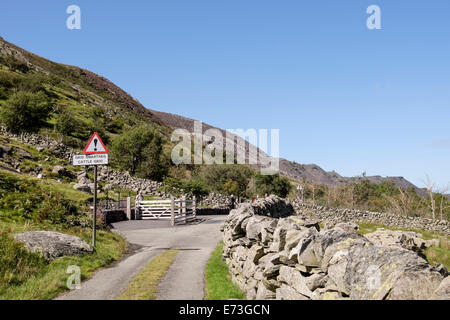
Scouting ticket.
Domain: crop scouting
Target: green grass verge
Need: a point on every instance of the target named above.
(45, 280)
(218, 279)
(30, 204)
(145, 284)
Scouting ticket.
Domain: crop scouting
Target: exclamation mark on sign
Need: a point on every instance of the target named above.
(95, 144)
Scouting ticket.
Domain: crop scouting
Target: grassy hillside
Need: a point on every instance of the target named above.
(89, 101)
(76, 102)
(28, 204)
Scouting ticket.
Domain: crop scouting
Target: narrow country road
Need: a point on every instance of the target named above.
(184, 280)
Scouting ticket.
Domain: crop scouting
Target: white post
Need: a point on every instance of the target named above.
(129, 208)
(194, 207)
(183, 206)
(172, 211)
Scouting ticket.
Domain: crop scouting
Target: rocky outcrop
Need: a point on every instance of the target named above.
(290, 258)
(60, 171)
(406, 239)
(53, 245)
(332, 216)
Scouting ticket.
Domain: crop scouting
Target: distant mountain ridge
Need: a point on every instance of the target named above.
(290, 169)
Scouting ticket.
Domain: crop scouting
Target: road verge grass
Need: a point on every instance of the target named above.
(218, 279)
(145, 284)
(44, 280)
(28, 204)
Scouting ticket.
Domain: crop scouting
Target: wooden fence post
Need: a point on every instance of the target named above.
(172, 211)
(129, 208)
(183, 206)
(194, 207)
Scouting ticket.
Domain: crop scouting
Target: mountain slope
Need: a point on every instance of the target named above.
(80, 91)
(78, 79)
(292, 170)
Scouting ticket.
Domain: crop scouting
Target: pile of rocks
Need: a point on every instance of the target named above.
(215, 201)
(58, 149)
(336, 215)
(291, 259)
(119, 179)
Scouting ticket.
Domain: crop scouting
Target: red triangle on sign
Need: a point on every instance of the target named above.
(95, 145)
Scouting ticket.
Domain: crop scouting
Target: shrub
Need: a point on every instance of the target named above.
(22, 199)
(32, 82)
(15, 64)
(7, 81)
(195, 188)
(65, 124)
(25, 111)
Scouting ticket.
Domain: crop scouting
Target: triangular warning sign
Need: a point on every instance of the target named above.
(95, 145)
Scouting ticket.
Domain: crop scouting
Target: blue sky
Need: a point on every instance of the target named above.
(344, 97)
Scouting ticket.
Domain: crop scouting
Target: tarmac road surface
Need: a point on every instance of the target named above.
(184, 280)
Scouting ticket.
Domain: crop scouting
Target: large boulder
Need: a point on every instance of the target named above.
(286, 292)
(416, 284)
(376, 273)
(272, 206)
(61, 171)
(84, 185)
(262, 293)
(443, 291)
(54, 245)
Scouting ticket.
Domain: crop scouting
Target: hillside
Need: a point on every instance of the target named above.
(82, 93)
(290, 169)
(103, 90)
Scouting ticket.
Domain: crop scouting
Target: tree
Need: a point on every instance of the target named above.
(429, 185)
(400, 203)
(140, 151)
(231, 187)
(195, 188)
(272, 184)
(444, 201)
(228, 179)
(25, 111)
(281, 186)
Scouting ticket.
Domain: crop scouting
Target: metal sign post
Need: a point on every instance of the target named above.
(94, 222)
(95, 154)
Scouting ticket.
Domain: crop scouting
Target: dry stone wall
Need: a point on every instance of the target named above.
(273, 255)
(337, 215)
(215, 201)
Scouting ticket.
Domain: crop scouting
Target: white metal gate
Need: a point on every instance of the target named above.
(178, 211)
